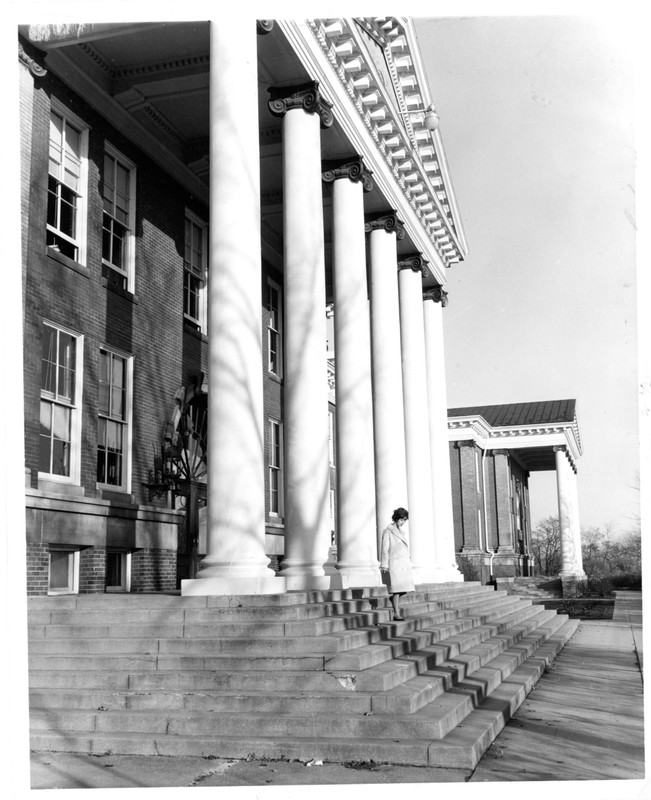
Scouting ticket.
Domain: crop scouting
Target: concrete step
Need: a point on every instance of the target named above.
(317, 668)
(462, 746)
(435, 719)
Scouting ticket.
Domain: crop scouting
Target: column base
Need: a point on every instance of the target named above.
(355, 578)
(227, 586)
(448, 574)
(296, 583)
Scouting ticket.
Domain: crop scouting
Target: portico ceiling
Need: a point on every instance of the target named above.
(152, 81)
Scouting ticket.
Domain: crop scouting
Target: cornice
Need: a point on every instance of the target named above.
(552, 435)
(406, 146)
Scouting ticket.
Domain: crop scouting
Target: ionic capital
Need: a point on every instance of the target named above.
(351, 168)
(388, 222)
(437, 294)
(264, 26)
(31, 63)
(559, 448)
(283, 99)
(415, 262)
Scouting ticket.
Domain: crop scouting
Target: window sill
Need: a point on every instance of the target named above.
(116, 494)
(190, 327)
(112, 287)
(75, 266)
(272, 376)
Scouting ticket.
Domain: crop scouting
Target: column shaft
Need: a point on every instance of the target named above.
(307, 475)
(356, 529)
(388, 407)
(235, 554)
(446, 565)
(419, 471)
(565, 513)
(503, 498)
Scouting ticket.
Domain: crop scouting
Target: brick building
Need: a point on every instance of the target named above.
(493, 450)
(195, 196)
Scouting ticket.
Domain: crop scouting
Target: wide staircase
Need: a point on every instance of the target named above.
(303, 675)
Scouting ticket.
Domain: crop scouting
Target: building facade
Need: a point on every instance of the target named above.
(195, 196)
(493, 451)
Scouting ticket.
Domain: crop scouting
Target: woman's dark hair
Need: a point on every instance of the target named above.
(400, 513)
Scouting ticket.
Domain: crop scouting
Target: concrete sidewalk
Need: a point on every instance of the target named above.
(582, 722)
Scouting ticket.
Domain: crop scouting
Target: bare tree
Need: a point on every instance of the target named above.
(546, 546)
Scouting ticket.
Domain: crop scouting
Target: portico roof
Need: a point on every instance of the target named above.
(530, 431)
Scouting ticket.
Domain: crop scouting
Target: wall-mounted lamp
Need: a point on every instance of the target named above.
(430, 117)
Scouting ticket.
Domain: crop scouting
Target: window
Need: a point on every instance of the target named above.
(60, 396)
(118, 222)
(66, 206)
(275, 469)
(331, 437)
(195, 264)
(63, 573)
(274, 332)
(113, 424)
(118, 571)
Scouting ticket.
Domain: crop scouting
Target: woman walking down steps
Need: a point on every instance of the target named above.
(395, 561)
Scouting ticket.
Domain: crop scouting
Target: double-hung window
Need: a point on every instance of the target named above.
(274, 329)
(67, 178)
(275, 469)
(118, 223)
(195, 262)
(113, 430)
(61, 357)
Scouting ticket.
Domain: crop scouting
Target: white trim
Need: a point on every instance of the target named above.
(59, 108)
(72, 588)
(279, 329)
(125, 486)
(273, 421)
(129, 271)
(126, 571)
(76, 421)
(202, 300)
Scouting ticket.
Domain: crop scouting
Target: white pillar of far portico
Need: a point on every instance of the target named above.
(417, 440)
(568, 517)
(306, 429)
(578, 554)
(235, 561)
(357, 557)
(446, 566)
(388, 405)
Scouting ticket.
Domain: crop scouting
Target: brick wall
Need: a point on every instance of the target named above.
(38, 565)
(92, 570)
(153, 571)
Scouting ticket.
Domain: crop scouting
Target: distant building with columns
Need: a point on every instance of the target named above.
(194, 196)
(493, 450)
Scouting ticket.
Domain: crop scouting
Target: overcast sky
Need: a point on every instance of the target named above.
(537, 121)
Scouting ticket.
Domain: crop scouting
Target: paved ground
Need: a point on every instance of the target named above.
(582, 722)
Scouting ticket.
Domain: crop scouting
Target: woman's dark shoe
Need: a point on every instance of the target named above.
(398, 619)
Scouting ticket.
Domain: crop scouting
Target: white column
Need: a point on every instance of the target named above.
(307, 470)
(388, 407)
(357, 562)
(576, 525)
(446, 565)
(414, 380)
(568, 521)
(235, 560)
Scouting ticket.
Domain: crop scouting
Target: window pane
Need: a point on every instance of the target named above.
(114, 563)
(61, 569)
(48, 366)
